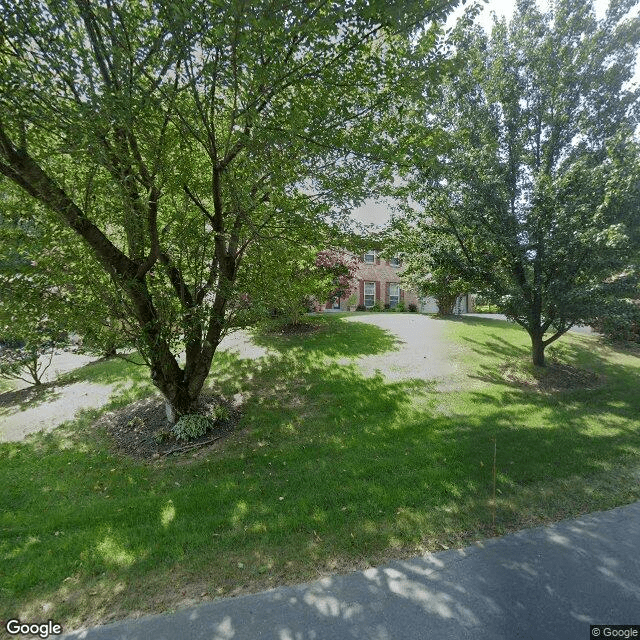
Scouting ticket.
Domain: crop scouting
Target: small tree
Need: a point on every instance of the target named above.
(337, 270)
(36, 292)
(28, 338)
(429, 264)
(295, 277)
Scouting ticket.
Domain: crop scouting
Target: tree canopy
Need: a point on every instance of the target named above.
(172, 142)
(535, 194)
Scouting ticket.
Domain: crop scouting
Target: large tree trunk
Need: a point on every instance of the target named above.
(446, 304)
(180, 397)
(537, 348)
(181, 387)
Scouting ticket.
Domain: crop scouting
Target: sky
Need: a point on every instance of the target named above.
(377, 213)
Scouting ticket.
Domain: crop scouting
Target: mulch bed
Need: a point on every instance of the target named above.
(141, 430)
(554, 377)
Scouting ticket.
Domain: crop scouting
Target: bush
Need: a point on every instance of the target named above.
(401, 307)
(191, 426)
(486, 308)
(621, 326)
(377, 306)
(163, 436)
(387, 307)
(221, 413)
(361, 307)
(413, 308)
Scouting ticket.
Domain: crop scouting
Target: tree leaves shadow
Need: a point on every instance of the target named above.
(347, 455)
(23, 399)
(347, 339)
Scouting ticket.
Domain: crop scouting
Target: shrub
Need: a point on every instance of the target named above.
(377, 306)
(487, 308)
(191, 426)
(163, 436)
(623, 325)
(221, 413)
(387, 307)
(413, 307)
(401, 307)
(361, 307)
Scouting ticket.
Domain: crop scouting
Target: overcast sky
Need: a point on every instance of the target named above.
(378, 212)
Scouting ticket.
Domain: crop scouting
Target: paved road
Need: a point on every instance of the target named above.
(547, 583)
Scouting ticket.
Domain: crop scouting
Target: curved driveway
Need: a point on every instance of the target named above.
(423, 350)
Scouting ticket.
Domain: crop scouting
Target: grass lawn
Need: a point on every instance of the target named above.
(328, 471)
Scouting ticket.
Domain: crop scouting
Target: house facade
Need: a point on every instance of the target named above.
(378, 280)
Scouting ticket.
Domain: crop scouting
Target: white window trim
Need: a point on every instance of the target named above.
(391, 285)
(371, 295)
(371, 253)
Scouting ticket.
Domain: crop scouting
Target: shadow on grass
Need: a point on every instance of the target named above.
(334, 338)
(105, 371)
(108, 370)
(449, 594)
(332, 471)
(27, 397)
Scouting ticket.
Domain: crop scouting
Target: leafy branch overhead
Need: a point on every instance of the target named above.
(176, 139)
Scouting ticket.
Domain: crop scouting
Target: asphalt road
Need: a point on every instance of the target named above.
(547, 583)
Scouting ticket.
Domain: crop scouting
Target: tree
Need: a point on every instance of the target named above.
(337, 269)
(29, 305)
(173, 139)
(427, 265)
(40, 305)
(292, 279)
(27, 348)
(538, 184)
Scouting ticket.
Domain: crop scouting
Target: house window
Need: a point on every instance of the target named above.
(370, 257)
(369, 294)
(394, 295)
(395, 262)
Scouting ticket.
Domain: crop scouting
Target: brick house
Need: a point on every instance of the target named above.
(378, 279)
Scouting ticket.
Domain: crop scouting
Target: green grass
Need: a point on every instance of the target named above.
(6, 385)
(329, 471)
(486, 308)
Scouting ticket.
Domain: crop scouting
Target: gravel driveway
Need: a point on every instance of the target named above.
(18, 419)
(423, 351)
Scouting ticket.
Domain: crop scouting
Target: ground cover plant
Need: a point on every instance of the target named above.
(327, 470)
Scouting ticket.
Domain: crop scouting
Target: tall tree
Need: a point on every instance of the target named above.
(538, 185)
(173, 138)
